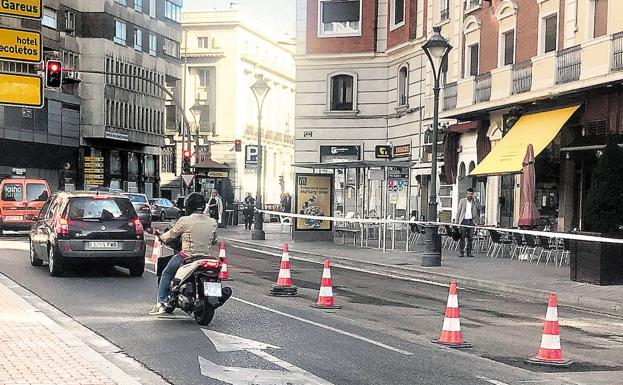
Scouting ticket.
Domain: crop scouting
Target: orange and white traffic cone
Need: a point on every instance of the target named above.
(222, 255)
(451, 335)
(550, 351)
(284, 286)
(156, 250)
(325, 296)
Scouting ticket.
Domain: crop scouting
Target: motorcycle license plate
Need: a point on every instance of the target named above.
(13, 218)
(212, 289)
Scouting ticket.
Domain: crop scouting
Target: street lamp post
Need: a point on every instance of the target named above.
(260, 89)
(437, 49)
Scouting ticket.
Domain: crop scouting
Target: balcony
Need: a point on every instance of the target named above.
(617, 51)
(449, 96)
(482, 88)
(568, 65)
(522, 77)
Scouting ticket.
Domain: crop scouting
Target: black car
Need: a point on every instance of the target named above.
(88, 225)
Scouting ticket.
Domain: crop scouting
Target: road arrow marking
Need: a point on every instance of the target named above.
(292, 375)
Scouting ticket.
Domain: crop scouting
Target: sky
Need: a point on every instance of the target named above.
(277, 17)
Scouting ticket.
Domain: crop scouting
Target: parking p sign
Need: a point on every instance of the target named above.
(251, 154)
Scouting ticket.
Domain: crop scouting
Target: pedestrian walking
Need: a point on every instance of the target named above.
(286, 203)
(214, 207)
(249, 207)
(467, 215)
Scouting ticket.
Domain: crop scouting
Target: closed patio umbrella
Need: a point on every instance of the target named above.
(529, 216)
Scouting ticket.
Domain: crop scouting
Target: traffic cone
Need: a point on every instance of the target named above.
(325, 296)
(550, 352)
(222, 255)
(156, 250)
(451, 335)
(284, 286)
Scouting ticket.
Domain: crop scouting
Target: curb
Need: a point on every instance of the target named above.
(490, 287)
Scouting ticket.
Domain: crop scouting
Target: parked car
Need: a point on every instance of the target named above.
(142, 207)
(162, 209)
(20, 202)
(88, 225)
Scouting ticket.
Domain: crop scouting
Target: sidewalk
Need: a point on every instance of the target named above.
(515, 279)
(35, 350)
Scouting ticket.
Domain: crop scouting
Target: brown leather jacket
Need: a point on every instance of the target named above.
(197, 232)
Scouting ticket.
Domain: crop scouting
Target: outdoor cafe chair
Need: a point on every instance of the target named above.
(500, 243)
(518, 245)
(531, 246)
(547, 247)
(565, 252)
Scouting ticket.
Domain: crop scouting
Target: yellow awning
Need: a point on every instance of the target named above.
(539, 129)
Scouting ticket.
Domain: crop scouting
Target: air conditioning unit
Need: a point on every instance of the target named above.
(202, 95)
(72, 75)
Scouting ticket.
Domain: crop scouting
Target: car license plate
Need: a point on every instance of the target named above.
(103, 246)
(212, 289)
(14, 218)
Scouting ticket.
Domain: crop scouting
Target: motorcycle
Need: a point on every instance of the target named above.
(196, 288)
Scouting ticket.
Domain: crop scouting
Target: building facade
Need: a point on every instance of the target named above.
(362, 81)
(222, 57)
(515, 58)
(119, 118)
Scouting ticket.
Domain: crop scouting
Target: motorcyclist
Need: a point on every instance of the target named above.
(197, 232)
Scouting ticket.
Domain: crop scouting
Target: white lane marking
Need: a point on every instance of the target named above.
(327, 327)
(345, 267)
(491, 381)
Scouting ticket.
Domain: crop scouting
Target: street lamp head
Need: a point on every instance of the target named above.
(196, 108)
(260, 88)
(437, 49)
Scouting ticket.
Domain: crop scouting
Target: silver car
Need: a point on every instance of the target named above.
(163, 209)
(141, 206)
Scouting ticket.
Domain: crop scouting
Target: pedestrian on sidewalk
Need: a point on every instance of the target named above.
(467, 215)
(214, 207)
(249, 207)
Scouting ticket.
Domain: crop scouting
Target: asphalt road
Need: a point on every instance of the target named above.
(380, 336)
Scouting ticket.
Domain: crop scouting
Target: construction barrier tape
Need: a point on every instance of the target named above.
(549, 234)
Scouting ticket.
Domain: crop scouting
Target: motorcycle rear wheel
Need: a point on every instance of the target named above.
(204, 316)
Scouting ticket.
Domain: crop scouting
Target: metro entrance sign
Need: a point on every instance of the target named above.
(29, 9)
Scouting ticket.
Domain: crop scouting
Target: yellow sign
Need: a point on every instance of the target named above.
(21, 90)
(94, 182)
(218, 174)
(30, 9)
(314, 197)
(93, 165)
(93, 158)
(20, 45)
(93, 170)
(93, 176)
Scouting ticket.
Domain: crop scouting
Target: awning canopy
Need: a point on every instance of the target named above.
(538, 129)
(210, 164)
(464, 127)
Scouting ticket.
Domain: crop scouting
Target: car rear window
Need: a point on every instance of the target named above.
(100, 209)
(36, 192)
(12, 192)
(137, 198)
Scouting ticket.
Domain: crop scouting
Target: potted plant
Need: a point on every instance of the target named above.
(601, 263)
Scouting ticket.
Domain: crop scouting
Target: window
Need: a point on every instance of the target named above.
(172, 11)
(70, 22)
(152, 8)
(398, 13)
(444, 13)
(12, 192)
(153, 45)
(138, 40)
(600, 17)
(508, 47)
(172, 48)
(120, 32)
(122, 2)
(49, 18)
(340, 17)
(204, 78)
(472, 60)
(203, 42)
(342, 93)
(403, 86)
(36, 192)
(138, 5)
(550, 24)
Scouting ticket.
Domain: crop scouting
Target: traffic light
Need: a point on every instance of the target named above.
(53, 74)
(186, 161)
(238, 145)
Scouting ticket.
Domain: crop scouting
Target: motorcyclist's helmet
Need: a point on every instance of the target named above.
(194, 203)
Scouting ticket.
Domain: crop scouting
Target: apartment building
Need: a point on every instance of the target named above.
(514, 59)
(118, 118)
(362, 81)
(223, 55)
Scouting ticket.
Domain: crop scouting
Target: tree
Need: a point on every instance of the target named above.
(603, 208)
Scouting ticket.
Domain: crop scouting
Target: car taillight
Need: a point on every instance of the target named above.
(100, 198)
(138, 226)
(154, 207)
(62, 226)
(210, 264)
(145, 208)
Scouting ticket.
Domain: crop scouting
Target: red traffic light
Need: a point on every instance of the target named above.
(54, 73)
(238, 145)
(186, 154)
(54, 67)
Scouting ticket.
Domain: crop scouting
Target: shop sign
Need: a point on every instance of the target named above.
(218, 174)
(29, 9)
(93, 182)
(18, 45)
(329, 154)
(314, 196)
(383, 152)
(116, 136)
(398, 173)
(402, 151)
(21, 90)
